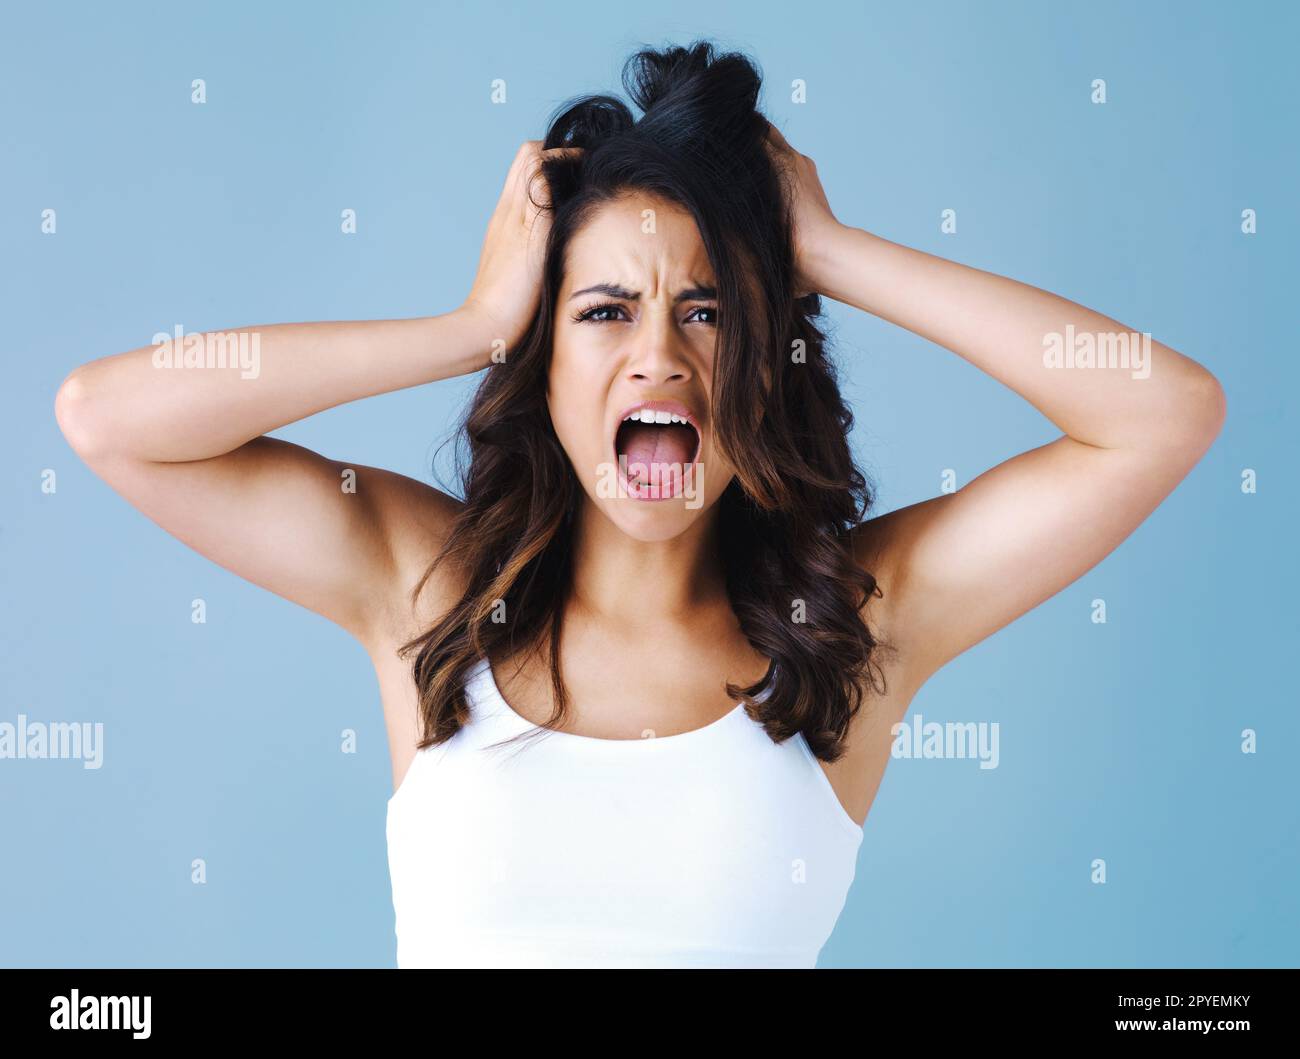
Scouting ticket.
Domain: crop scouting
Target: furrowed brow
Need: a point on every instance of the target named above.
(613, 290)
(698, 294)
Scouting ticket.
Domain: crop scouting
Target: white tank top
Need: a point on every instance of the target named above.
(712, 848)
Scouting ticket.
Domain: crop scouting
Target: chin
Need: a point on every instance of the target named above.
(652, 521)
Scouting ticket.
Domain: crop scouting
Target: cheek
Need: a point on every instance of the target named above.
(573, 396)
(569, 365)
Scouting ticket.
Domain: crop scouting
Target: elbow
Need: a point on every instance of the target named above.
(1202, 412)
(1211, 407)
(77, 410)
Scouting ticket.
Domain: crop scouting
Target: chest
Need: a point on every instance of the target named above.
(620, 689)
(564, 849)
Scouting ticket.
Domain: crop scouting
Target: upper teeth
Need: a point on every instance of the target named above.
(646, 415)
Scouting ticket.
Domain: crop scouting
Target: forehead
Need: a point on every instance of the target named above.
(637, 238)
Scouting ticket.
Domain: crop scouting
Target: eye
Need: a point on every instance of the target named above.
(596, 313)
(612, 312)
(704, 309)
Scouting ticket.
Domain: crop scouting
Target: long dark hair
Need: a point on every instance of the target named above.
(776, 409)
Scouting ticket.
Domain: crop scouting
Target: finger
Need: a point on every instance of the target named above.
(528, 150)
(537, 187)
(521, 166)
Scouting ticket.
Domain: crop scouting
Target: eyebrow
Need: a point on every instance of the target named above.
(613, 290)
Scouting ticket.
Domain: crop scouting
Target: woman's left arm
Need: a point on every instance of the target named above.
(962, 565)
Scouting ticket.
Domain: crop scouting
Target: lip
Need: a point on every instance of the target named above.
(673, 487)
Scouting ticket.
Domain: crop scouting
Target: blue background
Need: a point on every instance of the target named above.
(222, 741)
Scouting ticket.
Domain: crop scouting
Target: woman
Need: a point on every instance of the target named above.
(662, 553)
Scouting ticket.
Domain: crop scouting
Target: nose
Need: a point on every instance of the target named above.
(658, 353)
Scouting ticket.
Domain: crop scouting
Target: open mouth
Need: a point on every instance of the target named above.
(657, 449)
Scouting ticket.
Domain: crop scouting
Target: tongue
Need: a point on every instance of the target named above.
(649, 444)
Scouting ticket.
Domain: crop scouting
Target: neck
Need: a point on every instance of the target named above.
(644, 583)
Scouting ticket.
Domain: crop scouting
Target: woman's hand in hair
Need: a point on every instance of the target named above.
(508, 283)
(810, 212)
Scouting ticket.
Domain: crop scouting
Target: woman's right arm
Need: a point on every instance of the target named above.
(186, 445)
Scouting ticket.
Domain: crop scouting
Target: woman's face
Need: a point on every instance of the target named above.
(635, 336)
